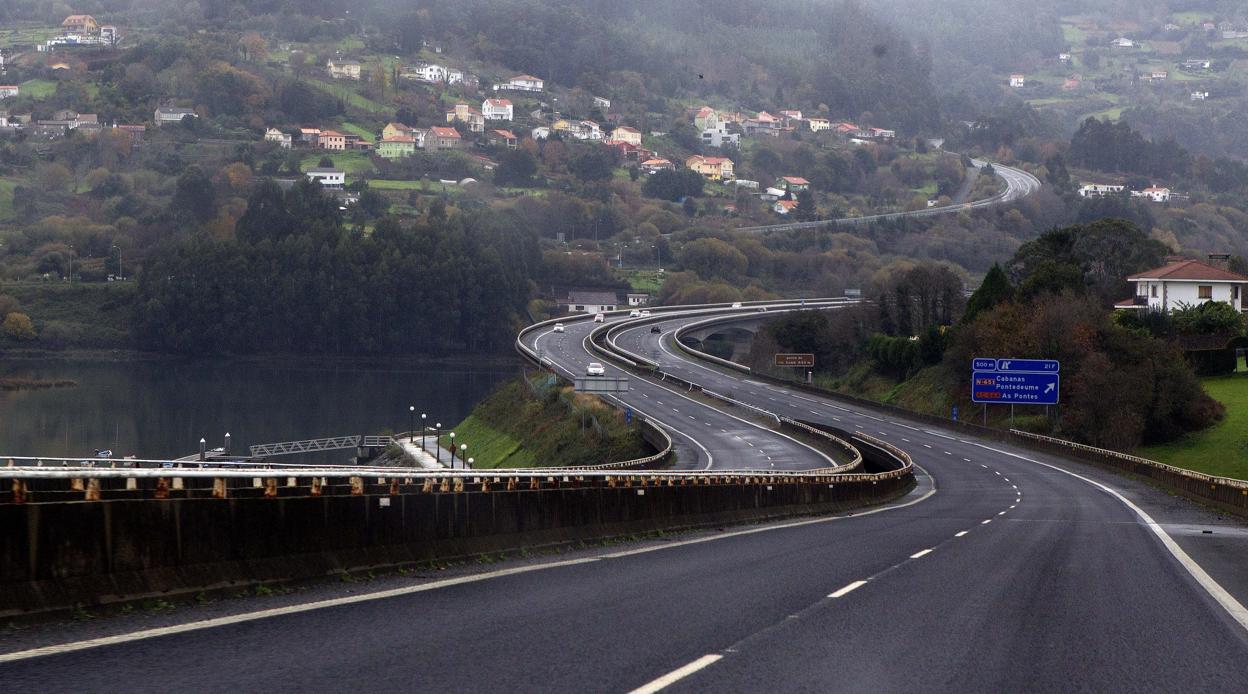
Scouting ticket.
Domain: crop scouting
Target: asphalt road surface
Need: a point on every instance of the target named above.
(1004, 571)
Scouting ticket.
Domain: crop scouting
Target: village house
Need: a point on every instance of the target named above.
(433, 74)
(396, 147)
(1063, 57)
(791, 119)
(626, 134)
(469, 115)
(394, 129)
(1154, 193)
(1199, 96)
(602, 104)
(706, 119)
(713, 168)
(541, 132)
(1187, 283)
(629, 153)
(1156, 76)
(719, 136)
(881, 133)
(1197, 64)
(328, 178)
(1018, 81)
(1123, 43)
(521, 83)
(763, 124)
(284, 140)
(9, 90)
(502, 138)
(578, 129)
(655, 165)
(784, 207)
(355, 142)
(441, 137)
(332, 140)
(343, 69)
(1098, 190)
(818, 124)
(637, 298)
(166, 115)
(497, 109)
(1072, 84)
(590, 302)
(80, 25)
(310, 136)
(793, 184)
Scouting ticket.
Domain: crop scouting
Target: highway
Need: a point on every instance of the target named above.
(1018, 185)
(1006, 570)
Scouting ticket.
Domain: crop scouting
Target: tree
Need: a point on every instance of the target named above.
(806, 210)
(593, 163)
(995, 289)
(193, 197)
(515, 168)
(18, 327)
(712, 258)
(673, 185)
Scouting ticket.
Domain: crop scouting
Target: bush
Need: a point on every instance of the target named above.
(18, 327)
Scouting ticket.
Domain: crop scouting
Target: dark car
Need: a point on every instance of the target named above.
(655, 329)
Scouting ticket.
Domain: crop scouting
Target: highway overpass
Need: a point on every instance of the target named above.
(1005, 570)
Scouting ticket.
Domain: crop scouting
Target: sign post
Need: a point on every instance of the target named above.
(806, 361)
(1015, 381)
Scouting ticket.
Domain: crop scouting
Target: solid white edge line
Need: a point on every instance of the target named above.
(921, 553)
(1234, 608)
(677, 675)
(848, 589)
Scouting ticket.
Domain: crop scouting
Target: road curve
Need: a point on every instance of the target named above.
(1006, 570)
(1018, 184)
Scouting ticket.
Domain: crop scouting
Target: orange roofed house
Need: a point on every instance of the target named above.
(714, 168)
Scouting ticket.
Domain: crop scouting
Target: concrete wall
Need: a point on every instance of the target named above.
(57, 553)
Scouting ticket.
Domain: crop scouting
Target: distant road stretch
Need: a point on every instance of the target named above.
(1018, 184)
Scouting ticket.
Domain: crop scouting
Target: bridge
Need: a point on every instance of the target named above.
(330, 443)
(1010, 562)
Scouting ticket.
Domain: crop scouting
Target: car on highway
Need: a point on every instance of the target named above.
(634, 314)
(600, 317)
(558, 328)
(736, 304)
(595, 369)
(656, 329)
(645, 314)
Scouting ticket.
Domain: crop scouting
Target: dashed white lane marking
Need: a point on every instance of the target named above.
(836, 419)
(983, 466)
(1014, 505)
(677, 675)
(1007, 479)
(961, 533)
(927, 445)
(921, 553)
(1001, 514)
(966, 460)
(905, 439)
(996, 472)
(986, 522)
(948, 453)
(848, 589)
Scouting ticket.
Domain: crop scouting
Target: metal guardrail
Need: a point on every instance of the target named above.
(1135, 460)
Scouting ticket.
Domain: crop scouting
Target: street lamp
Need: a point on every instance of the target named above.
(463, 455)
(452, 449)
(423, 431)
(411, 423)
(437, 442)
(471, 462)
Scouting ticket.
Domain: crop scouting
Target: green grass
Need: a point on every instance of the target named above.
(1220, 450)
(38, 89)
(90, 314)
(489, 447)
(353, 163)
(350, 96)
(364, 133)
(27, 36)
(6, 198)
(642, 280)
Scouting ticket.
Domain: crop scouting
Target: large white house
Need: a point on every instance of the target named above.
(591, 302)
(522, 83)
(1186, 283)
(328, 178)
(497, 109)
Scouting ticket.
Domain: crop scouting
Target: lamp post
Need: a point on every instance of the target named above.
(463, 455)
(471, 461)
(411, 423)
(452, 449)
(422, 431)
(437, 442)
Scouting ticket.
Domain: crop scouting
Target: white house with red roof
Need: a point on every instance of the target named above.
(784, 206)
(1186, 283)
(497, 109)
(521, 83)
(1154, 193)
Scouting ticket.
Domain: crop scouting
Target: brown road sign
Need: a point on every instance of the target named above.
(804, 360)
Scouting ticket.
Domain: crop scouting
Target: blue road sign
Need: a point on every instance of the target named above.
(628, 415)
(1009, 388)
(955, 413)
(984, 365)
(1041, 366)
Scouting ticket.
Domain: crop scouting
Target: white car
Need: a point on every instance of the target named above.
(634, 314)
(736, 304)
(558, 328)
(595, 369)
(644, 314)
(600, 318)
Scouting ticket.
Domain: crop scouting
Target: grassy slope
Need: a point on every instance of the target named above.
(6, 198)
(1221, 449)
(515, 428)
(96, 314)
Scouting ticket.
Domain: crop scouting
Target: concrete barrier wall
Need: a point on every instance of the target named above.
(58, 554)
